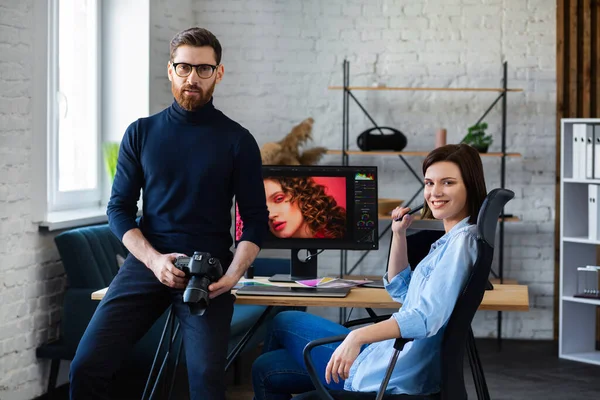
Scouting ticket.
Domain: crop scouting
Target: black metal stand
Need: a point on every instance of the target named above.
(299, 269)
(347, 94)
(171, 337)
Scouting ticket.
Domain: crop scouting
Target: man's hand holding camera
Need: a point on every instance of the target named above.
(166, 272)
(224, 284)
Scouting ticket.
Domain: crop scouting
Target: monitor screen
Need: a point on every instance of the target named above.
(323, 207)
(318, 208)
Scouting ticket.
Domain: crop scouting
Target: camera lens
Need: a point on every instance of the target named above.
(198, 308)
(203, 269)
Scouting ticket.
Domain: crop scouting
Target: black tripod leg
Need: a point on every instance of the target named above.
(173, 334)
(175, 367)
(154, 364)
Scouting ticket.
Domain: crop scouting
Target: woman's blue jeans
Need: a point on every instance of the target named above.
(280, 370)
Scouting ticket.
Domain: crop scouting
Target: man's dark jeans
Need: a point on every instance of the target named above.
(134, 300)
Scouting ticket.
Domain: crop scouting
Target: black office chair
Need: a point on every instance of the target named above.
(458, 335)
(419, 244)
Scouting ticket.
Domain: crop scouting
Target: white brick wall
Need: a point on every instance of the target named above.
(31, 280)
(280, 57)
(167, 17)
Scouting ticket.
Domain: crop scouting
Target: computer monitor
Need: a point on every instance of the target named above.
(317, 208)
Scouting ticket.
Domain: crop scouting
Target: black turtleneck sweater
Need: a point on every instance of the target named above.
(189, 166)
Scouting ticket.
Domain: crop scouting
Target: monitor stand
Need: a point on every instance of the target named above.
(300, 270)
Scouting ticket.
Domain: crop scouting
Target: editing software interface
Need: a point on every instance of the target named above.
(365, 207)
(319, 207)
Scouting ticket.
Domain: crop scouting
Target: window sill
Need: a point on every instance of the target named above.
(73, 218)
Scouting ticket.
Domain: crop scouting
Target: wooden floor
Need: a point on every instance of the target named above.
(523, 370)
(240, 393)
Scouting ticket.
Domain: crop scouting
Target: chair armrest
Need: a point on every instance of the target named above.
(312, 372)
(400, 342)
(310, 366)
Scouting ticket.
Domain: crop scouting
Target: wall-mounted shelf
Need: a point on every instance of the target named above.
(432, 89)
(507, 219)
(410, 153)
(345, 152)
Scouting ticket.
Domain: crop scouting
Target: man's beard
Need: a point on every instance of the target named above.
(192, 103)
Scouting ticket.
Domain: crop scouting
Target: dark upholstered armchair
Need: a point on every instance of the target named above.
(89, 256)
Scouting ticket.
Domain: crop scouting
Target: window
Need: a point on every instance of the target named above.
(81, 98)
(74, 158)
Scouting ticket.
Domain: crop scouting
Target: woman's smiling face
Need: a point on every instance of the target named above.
(285, 218)
(445, 192)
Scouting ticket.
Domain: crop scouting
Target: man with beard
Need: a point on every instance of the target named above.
(189, 160)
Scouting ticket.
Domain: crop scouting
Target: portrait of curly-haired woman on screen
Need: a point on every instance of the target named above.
(301, 208)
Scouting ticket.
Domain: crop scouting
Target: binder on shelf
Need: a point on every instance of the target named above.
(578, 151)
(574, 148)
(593, 214)
(597, 151)
(582, 139)
(589, 151)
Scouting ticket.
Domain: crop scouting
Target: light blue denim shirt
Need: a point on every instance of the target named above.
(428, 295)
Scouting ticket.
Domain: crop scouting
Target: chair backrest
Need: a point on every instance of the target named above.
(89, 256)
(457, 330)
(419, 245)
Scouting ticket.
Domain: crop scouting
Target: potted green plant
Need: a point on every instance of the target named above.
(477, 138)
(111, 153)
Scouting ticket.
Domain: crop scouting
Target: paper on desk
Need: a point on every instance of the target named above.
(332, 282)
(309, 282)
(340, 283)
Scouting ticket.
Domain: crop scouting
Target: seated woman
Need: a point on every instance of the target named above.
(454, 192)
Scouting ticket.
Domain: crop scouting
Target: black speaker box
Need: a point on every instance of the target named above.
(372, 139)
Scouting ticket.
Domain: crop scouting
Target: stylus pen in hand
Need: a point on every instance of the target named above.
(411, 212)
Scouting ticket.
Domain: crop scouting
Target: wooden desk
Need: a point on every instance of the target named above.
(502, 298)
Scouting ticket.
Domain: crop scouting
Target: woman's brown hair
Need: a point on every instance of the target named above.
(320, 211)
(469, 163)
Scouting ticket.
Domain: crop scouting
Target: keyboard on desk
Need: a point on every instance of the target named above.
(292, 291)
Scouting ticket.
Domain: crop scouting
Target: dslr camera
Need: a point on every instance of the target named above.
(202, 269)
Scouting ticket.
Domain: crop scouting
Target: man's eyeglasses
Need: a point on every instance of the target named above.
(204, 71)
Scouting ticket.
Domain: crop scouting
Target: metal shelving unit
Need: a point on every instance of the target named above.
(345, 153)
